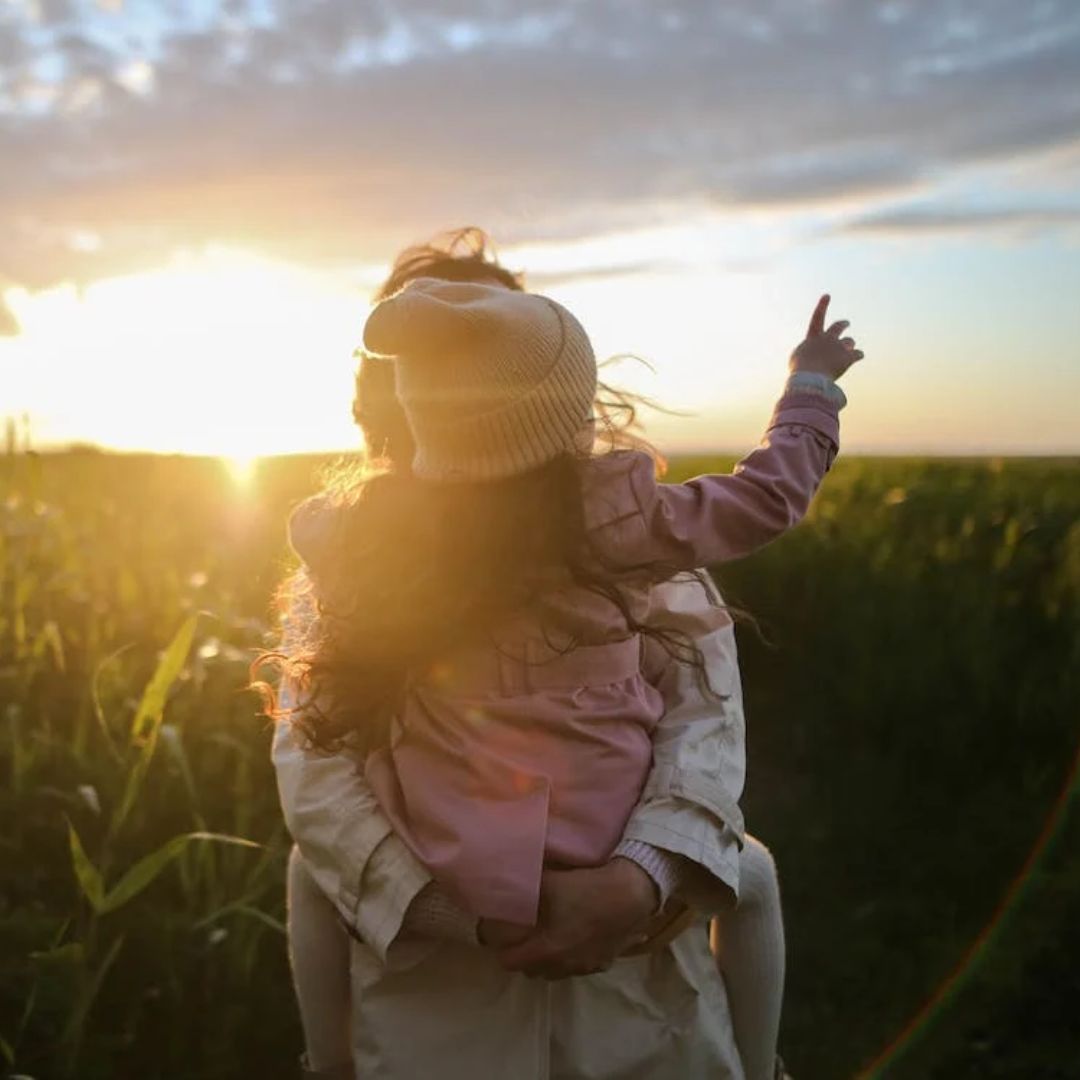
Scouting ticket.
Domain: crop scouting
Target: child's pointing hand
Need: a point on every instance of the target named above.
(825, 351)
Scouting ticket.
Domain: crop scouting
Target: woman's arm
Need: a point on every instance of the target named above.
(347, 844)
(689, 808)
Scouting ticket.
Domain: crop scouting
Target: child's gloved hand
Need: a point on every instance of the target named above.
(823, 351)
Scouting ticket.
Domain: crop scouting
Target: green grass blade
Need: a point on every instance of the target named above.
(242, 908)
(261, 916)
(73, 953)
(72, 1036)
(86, 873)
(49, 640)
(95, 701)
(148, 868)
(147, 722)
(152, 706)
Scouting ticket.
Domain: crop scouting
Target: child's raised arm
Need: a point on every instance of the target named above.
(720, 517)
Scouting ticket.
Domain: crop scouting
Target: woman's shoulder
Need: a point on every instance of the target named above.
(691, 600)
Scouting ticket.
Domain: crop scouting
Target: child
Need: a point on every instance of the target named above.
(527, 743)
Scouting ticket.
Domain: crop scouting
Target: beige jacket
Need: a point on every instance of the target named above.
(441, 1008)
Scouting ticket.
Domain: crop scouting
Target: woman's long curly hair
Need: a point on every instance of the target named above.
(413, 569)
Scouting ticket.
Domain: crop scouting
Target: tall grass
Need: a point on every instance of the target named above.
(911, 723)
(141, 892)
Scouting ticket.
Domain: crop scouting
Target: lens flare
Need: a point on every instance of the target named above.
(953, 983)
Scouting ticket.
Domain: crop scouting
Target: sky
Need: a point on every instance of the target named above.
(197, 198)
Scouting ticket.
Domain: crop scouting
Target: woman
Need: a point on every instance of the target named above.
(683, 837)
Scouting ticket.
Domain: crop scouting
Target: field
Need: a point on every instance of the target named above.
(914, 708)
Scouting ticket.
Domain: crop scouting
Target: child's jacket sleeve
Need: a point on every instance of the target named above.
(636, 522)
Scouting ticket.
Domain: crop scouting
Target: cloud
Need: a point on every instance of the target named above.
(919, 219)
(836, 173)
(329, 130)
(545, 279)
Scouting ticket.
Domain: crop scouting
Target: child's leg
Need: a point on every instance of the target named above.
(748, 943)
(319, 954)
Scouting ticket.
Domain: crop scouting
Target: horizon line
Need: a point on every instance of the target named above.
(691, 451)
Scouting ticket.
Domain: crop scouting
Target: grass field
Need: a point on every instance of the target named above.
(914, 716)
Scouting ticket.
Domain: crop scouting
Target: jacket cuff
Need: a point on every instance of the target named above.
(391, 881)
(814, 382)
(809, 409)
(663, 867)
(711, 879)
(668, 781)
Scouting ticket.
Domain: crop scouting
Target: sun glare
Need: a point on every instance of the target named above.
(241, 468)
(219, 353)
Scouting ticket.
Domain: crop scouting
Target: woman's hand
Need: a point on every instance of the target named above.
(499, 934)
(825, 351)
(587, 918)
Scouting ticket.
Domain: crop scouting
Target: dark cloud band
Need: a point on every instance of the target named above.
(333, 130)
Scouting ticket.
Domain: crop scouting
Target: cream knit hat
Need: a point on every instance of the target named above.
(494, 382)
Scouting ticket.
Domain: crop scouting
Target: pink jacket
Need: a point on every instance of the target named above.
(509, 757)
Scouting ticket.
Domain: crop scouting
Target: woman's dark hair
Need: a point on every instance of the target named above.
(415, 568)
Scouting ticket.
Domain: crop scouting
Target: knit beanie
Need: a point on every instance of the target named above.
(494, 382)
